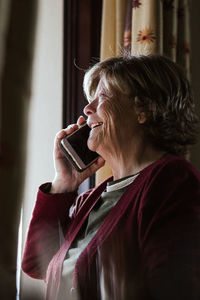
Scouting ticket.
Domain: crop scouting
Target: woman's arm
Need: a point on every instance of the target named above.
(52, 209)
(43, 239)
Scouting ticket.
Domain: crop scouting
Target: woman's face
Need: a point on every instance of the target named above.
(96, 112)
(110, 128)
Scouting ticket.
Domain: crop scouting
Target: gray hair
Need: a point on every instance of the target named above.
(156, 86)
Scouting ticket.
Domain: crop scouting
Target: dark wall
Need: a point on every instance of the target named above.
(195, 68)
(82, 28)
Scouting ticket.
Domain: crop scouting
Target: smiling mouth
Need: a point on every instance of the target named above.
(96, 125)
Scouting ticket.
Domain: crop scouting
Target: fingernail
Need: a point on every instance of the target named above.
(79, 119)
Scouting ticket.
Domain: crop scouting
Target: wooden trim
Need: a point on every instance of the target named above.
(82, 30)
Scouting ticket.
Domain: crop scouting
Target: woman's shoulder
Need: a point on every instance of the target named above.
(174, 165)
(170, 172)
(171, 181)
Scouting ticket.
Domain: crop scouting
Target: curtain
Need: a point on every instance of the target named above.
(144, 27)
(17, 28)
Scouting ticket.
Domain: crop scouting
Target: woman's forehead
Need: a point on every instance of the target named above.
(101, 86)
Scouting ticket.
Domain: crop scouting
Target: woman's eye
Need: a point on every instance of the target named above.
(103, 95)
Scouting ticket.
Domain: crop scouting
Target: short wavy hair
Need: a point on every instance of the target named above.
(156, 86)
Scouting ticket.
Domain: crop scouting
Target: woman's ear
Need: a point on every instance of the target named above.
(142, 117)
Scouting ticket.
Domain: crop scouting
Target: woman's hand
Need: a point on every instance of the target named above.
(67, 179)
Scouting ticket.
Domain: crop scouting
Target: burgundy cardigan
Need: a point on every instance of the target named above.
(148, 247)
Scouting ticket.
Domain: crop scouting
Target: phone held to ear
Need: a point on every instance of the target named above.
(76, 150)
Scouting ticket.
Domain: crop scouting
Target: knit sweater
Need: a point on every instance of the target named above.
(147, 247)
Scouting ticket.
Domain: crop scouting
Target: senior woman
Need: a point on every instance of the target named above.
(137, 234)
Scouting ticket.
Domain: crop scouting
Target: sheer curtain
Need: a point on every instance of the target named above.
(17, 28)
(144, 27)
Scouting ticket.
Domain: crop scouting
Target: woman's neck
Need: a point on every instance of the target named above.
(131, 161)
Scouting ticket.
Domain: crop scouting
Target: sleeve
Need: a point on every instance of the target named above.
(51, 211)
(170, 234)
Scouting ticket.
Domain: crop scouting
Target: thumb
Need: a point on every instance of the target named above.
(99, 163)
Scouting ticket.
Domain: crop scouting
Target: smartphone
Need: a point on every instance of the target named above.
(75, 148)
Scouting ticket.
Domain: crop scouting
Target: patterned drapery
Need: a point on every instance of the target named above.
(162, 27)
(144, 27)
(17, 28)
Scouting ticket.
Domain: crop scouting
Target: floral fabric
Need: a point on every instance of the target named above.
(159, 27)
(144, 27)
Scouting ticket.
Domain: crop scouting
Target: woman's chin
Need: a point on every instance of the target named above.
(92, 145)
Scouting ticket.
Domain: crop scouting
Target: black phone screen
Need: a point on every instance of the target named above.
(78, 141)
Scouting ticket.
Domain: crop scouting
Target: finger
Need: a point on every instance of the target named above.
(100, 162)
(71, 128)
(62, 133)
(81, 120)
(97, 164)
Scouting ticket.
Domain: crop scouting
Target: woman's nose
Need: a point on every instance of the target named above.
(90, 108)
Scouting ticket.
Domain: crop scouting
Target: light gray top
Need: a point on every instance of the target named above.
(109, 198)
